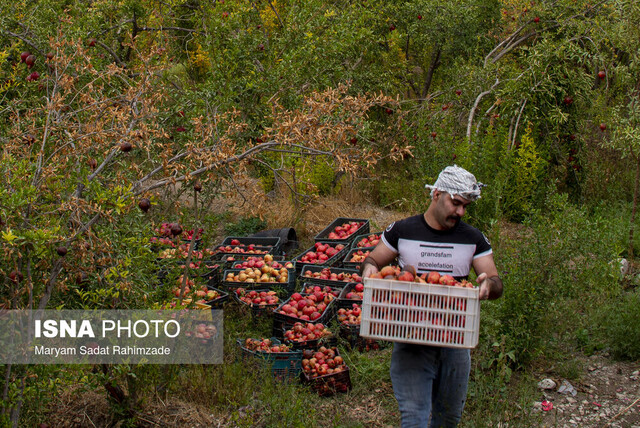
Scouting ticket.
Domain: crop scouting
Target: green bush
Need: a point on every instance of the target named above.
(315, 176)
(620, 329)
(525, 179)
(489, 159)
(562, 258)
(402, 194)
(245, 226)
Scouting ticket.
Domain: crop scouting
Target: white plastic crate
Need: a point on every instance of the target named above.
(426, 314)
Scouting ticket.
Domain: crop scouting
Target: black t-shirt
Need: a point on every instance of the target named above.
(427, 249)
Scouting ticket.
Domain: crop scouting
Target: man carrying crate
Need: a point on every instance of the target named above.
(429, 382)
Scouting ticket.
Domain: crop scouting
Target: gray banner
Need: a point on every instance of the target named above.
(111, 336)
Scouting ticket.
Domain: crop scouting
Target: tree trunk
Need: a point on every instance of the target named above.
(17, 408)
(5, 389)
(134, 33)
(633, 209)
(435, 62)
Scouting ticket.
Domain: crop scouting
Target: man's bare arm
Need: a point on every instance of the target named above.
(490, 282)
(379, 257)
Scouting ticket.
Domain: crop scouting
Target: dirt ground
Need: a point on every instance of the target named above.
(608, 395)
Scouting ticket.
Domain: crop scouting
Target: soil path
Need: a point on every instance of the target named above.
(608, 395)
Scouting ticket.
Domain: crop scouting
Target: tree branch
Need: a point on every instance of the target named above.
(277, 174)
(105, 31)
(57, 266)
(186, 30)
(275, 12)
(257, 149)
(153, 172)
(511, 124)
(24, 39)
(486, 113)
(113, 54)
(94, 174)
(515, 130)
(235, 185)
(435, 61)
(512, 46)
(475, 107)
(312, 151)
(504, 42)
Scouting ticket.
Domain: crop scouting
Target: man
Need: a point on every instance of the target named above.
(430, 383)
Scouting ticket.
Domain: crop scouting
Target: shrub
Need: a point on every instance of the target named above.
(315, 176)
(562, 257)
(245, 226)
(526, 176)
(620, 322)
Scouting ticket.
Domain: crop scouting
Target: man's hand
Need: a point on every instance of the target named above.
(490, 282)
(380, 256)
(484, 287)
(490, 288)
(369, 268)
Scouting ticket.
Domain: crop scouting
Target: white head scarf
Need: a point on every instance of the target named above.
(457, 181)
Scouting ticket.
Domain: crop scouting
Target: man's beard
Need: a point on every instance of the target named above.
(454, 218)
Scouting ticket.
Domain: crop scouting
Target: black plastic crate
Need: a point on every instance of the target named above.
(227, 259)
(343, 300)
(282, 321)
(307, 288)
(284, 291)
(212, 274)
(197, 266)
(332, 261)
(328, 384)
(214, 305)
(180, 252)
(284, 366)
(257, 311)
(348, 264)
(345, 304)
(351, 334)
(220, 252)
(258, 241)
(238, 299)
(288, 238)
(334, 283)
(313, 344)
(218, 303)
(202, 268)
(288, 286)
(230, 262)
(360, 237)
(328, 341)
(197, 286)
(324, 234)
(196, 245)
